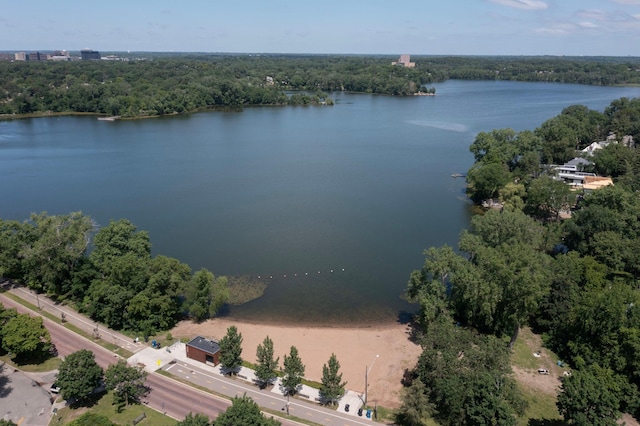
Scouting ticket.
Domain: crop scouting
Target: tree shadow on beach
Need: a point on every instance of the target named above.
(405, 317)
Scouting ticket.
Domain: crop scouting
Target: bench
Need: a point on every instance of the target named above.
(139, 418)
(303, 395)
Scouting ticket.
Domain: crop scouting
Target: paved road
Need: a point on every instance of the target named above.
(167, 395)
(264, 398)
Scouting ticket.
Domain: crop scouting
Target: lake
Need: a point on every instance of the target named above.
(331, 206)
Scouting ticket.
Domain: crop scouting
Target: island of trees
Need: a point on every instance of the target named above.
(173, 84)
(573, 280)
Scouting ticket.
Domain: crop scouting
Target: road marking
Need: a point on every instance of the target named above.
(170, 367)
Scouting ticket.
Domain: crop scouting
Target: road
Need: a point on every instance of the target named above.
(167, 395)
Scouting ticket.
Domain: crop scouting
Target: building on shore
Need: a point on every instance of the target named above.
(88, 54)
(204, 350)
(404, 61)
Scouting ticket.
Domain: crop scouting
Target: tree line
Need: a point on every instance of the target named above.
(170, 84)
(574, 280)
(107, 273)
(267, 371)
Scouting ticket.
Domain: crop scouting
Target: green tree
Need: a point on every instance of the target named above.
(416, 409)
(92, 419)
(121, 254)
(512, 196)
(4, 422)
(61, 242)
(14, 236)
(196, 420)
(244, 411)
(127, 383)
(231, 350)
(79, 375)
(486, 180)
(205, 295)
(428, 286)
(267, 365)
(547, 197)
(26, 337)
(506, 275)
(497, 146)
(332, 388)
(591, 396)
(467, 376)
(5, 315)
(509, 283)
(293, 371)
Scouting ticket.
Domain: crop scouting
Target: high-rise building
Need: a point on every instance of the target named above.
(88, 54)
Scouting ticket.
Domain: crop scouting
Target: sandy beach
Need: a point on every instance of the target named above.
(384, 350)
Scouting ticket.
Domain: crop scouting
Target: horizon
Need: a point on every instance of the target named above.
(390, 55)
(580, 28)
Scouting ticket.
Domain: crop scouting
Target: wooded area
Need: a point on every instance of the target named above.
(173, 84)
(118, 283)
(574, 280)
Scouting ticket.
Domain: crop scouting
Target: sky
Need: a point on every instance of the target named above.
(419, 27)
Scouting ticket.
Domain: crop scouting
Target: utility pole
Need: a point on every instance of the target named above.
(366, 379)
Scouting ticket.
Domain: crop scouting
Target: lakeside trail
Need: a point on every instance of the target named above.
(385, 350)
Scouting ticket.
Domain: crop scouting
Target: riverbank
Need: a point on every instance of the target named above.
(385, 350)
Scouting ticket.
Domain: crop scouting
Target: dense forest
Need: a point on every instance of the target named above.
(107, 273)
(170, 84)
(573, 280)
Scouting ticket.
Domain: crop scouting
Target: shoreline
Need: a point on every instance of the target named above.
(386, 350)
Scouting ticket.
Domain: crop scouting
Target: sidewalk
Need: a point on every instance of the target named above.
(83, 322)
(152, 359)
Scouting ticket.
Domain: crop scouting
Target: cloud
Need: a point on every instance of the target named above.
(631, 2)
(523, 4)
(551, 31)
(594, 14)
(587, 24)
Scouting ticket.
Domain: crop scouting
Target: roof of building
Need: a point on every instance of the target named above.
(578, 161)
(596, 182)
(206, 345)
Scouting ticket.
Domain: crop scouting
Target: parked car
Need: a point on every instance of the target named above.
(54, 388)
(346, 408)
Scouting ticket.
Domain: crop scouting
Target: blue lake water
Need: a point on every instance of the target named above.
(332, 206)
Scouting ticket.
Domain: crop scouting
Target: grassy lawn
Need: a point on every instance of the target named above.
(542, 409)
(35, 367)
(103, 405)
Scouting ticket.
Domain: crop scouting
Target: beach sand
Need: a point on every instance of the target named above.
(384, 350)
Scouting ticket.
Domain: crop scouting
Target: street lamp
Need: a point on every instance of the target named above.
(366, 379)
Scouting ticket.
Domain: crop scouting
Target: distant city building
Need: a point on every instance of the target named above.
(36, 56)
(21, 56)
(404, 61)
(59, 55)
(88, 54)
